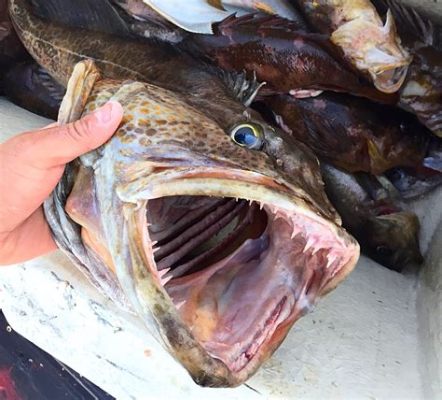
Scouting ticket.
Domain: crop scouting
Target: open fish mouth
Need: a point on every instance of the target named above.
(389, 80)
(239, 271)
(236, 269)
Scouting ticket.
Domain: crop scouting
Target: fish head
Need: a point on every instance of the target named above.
(209, 240)
(393, 239)
(375, 49)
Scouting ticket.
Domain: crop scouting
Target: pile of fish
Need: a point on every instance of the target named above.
(255, 135)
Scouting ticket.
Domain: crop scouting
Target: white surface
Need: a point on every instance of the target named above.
(363, 340)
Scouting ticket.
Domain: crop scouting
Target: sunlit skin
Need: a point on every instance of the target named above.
(31, 164)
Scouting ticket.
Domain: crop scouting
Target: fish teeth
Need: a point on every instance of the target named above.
(165, 279)
(315, 250)
(180, 304)
(163, 272)
(331, 258)
(310, 243)
(261, 206)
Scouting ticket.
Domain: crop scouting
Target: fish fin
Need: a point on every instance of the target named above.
(79, 87)
(242, 88)
(262, 21)
(378, 161)
(98, 15)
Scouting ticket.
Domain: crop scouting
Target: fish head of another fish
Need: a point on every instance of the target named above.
(375, 49)
(393, 239)
(213, 245)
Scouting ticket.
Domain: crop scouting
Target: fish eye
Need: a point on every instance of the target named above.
(383, 251)
(248, 135)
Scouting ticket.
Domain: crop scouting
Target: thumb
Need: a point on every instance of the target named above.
(58, 145)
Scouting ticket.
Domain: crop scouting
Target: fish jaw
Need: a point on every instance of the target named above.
(375, 49)
(269, 295)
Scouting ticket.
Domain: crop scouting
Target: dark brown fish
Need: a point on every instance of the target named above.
(385, 231)
(287, 59)
(352, 133)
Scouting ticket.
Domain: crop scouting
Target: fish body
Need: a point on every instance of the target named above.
(279, 53)
(356, 27)
(352, 133)
(385, 232)
(29, 86)
(218, 250)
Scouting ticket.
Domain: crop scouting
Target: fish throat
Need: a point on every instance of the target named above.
(238, 270)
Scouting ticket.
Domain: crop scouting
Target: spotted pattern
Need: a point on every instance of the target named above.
(155, 116)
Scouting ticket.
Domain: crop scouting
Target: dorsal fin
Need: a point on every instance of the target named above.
(98, 15)
(262, 21)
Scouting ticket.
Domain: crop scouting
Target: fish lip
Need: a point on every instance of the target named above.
(221, 375)
(389, 85)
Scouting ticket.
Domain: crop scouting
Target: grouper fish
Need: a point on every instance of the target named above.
(218, 245)
(218, 251)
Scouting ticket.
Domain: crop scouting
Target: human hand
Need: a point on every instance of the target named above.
(31, 164)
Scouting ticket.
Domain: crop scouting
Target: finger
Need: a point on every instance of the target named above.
(32, 238)
(58, 145)
(50, 125)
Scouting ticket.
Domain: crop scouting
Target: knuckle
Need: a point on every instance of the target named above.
(80, 131)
